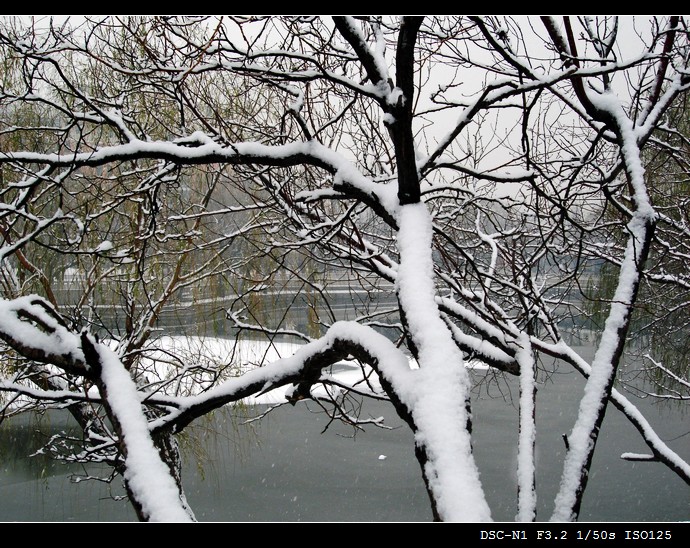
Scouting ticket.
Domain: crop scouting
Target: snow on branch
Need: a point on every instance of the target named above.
(527, 495)
(639, 457)
(148, 478)
(198, 148)
(372, 60)
(31, 326)
(662, 451)
(303, 369)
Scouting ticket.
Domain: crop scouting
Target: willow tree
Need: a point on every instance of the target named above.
(660, 316)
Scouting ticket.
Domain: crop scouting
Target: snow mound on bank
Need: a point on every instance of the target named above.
(233, 358)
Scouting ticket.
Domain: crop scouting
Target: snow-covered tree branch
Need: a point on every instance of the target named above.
(503, 184)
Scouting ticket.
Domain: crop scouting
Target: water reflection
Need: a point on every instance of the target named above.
(24, 436)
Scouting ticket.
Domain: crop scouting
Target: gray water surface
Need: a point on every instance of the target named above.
(284, 469)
